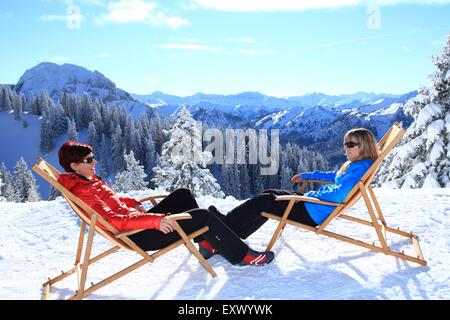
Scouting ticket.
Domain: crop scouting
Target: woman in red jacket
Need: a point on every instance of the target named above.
(126, 214)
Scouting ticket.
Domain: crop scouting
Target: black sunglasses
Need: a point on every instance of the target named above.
(351, 144)
(88, 160)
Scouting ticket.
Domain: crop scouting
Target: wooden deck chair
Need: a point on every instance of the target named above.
(91, 219)
(361, 189)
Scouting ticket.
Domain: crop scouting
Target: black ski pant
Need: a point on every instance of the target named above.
(229, 245)
(246, 218)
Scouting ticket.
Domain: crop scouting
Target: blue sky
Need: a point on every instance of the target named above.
(182, 47)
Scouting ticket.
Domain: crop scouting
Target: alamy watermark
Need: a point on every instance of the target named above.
(374, 19)
(236, 146)
(73, 17)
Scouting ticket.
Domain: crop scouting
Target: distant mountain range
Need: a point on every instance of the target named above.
(316, 120)
(159, 98)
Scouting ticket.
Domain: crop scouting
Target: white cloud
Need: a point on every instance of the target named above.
(190, 47)
(299, 5)
(254, 52)
(406, 49)
(241, 40)
(127, 11)
(65, 18)
(103, 55)
(437, 42)
(345, 42)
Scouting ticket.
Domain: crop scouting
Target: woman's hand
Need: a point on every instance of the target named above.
(166, 225)
(296, 179)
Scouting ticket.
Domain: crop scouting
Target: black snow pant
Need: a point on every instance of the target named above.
(229, 245)
(246, 218)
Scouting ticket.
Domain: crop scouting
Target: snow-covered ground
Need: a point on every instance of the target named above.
(38, 240)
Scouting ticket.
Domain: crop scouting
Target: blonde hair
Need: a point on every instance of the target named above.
(368, 148)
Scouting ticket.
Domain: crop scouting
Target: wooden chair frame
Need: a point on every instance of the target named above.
(361, 189)
(91, 218)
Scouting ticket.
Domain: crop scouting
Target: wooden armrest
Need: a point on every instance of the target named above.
(179, 216)
(308, 199)
(150, 198)
(127, 233)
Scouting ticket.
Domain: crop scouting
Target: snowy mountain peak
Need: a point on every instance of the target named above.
(56, 79)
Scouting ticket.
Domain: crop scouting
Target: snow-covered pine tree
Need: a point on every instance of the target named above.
(135, 143)
(86, 113)
(230, 180)
(102, 164)
(44, 103)
(150, 158)
(155, 125)
(2, 199)
(54, 193)
(6, 190)
(285, 173)
(422, 158)
(72, 133)
(18, 113)
(57, 119)
(98, 124)
(244, 181)
(24, 183)
(23, 102)
(92, 136)
(117, 151)
(46, 136)
(182, 161)
(132, 179)
(6, 102)
(33, 104)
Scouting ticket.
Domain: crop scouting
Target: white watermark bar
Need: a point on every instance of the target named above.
(239, 146)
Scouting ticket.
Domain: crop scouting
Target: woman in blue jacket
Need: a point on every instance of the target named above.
(361, 150)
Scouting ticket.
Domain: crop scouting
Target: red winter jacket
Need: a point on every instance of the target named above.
(118, 211)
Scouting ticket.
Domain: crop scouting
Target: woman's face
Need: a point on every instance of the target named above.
(86, 167)
(351, 149)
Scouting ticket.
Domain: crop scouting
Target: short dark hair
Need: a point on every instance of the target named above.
(72, 151)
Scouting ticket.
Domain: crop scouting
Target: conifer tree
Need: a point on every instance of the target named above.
(117, 151)
(72, 133)
(103, 167)
(151, 159)
(92, 136)
(2, 199)
(46, 136)
(7, 104)
(54, 193)
(133, 177)
(423, 157)
(7, 190)
(18, 113)
(33, 104)
(244, 181)
(183, 163)
(24, 183)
